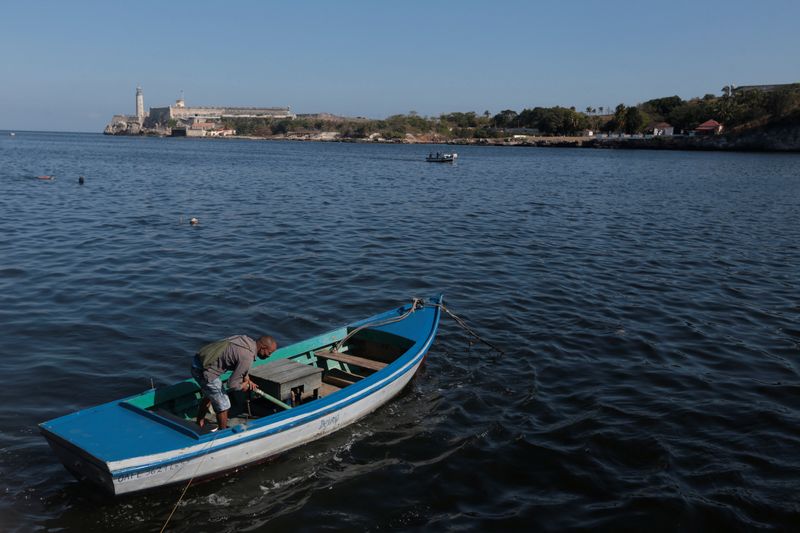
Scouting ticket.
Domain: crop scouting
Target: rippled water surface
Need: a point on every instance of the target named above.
(648, 304)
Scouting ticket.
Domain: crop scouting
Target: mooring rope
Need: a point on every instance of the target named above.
(196, 470)
(460, 321)
(417, 303)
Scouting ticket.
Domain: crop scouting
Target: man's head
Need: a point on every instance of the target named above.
(265, 346)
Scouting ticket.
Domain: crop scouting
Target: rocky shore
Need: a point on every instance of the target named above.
(779, 139)
(784, 138)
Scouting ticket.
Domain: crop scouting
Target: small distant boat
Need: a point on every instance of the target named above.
(12, 134)
(439, 157)
(47, 178)
(307, 390)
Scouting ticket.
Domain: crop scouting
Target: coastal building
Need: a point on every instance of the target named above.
(662, 129)
(709, 127)
(139, 105)
(129, 124)
(180, 120)
(221, 132)
(763, 88)
(522, 131)
(180, 111)
(201, 128)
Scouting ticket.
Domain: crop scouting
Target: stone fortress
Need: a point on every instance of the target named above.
(180, 120)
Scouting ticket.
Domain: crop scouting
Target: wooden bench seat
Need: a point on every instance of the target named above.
(336, 381)
(351, 359)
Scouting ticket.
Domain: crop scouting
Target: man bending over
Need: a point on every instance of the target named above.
(235, 353)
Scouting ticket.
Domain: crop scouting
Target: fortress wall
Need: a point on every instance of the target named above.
(162, 115)
(276, 112)
(159, 115)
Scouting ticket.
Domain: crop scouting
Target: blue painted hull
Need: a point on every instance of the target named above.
(126, 446)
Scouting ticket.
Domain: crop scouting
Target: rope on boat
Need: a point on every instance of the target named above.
(418, 303)
(460, 321)
(203, 460)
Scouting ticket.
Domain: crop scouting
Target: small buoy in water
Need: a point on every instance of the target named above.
(80, 180)
(46, 177)
(193, 221)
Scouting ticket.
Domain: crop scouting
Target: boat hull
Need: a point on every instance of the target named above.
(79, 464)
(445, 158)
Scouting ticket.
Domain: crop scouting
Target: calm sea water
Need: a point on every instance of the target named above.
(648, 304)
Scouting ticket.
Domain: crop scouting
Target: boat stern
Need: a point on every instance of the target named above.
(81, 465)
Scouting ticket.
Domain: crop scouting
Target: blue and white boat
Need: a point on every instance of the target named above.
(440, 157)
(307, 390)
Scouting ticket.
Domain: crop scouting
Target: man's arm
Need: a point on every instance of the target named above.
(239, 378)
(243, 353)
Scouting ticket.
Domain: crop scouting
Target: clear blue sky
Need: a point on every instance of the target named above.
(69, 66)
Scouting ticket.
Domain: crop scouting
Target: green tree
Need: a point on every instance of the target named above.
(688, 115)
(618, 122)
(461, 120)
(634, 121)
(505, 119)
(662, 107)
(783, 101)
(724, 109)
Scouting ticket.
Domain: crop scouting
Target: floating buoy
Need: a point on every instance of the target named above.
(80, 180)
(193, 221)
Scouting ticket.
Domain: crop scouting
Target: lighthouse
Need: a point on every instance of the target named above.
(139, 105)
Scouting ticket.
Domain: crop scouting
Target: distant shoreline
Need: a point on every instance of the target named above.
(761, 143)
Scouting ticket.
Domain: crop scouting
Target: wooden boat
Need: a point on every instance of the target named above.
(312, 388)
(441, 157)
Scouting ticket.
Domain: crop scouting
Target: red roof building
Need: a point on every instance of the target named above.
(709, 127)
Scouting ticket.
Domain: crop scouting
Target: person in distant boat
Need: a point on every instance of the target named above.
(236, 354)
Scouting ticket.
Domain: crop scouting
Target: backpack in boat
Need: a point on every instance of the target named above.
(210, 353)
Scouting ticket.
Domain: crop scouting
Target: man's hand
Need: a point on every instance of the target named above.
(248, 385)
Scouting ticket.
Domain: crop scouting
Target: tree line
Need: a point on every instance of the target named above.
(734, 108)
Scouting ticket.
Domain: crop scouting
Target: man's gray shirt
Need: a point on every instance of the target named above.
(238, 357)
